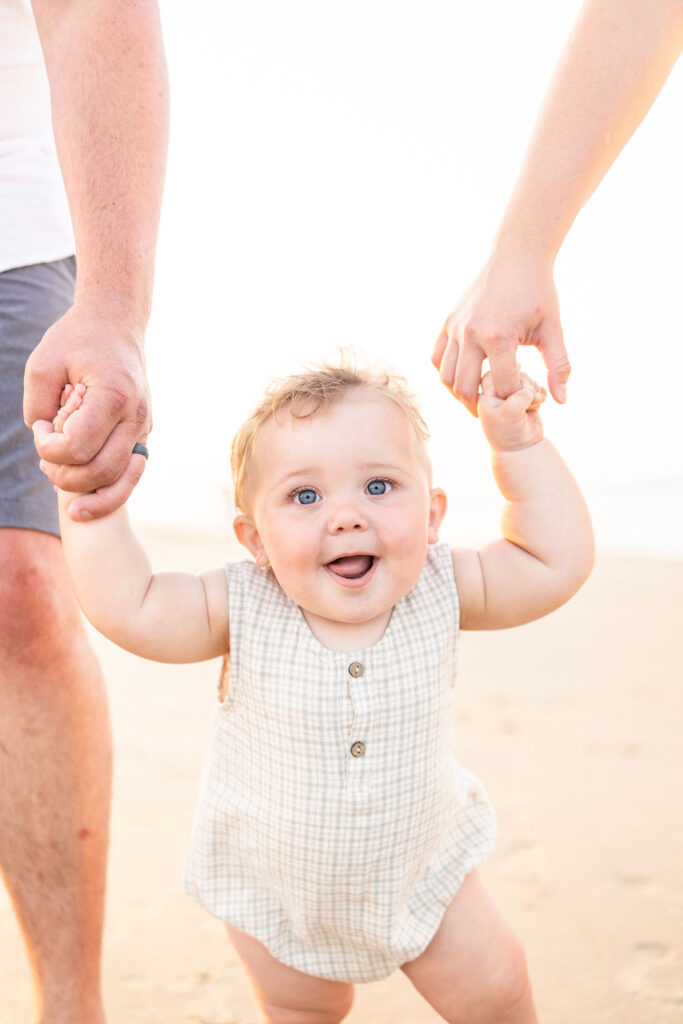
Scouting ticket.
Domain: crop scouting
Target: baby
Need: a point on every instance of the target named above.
(336, 834)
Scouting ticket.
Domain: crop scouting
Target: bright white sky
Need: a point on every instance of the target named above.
(336, 174)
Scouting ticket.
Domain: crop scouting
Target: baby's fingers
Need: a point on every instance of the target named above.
(488, 387)
(512, 423)
(538, 391)
(509, 410)
(515, 407)
(63, 411)
(71, 400)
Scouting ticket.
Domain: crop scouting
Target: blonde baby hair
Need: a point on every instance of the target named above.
(316, 389)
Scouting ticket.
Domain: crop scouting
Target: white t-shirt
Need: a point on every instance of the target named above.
(34, 217)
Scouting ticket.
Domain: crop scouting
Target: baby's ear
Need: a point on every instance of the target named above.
(437, 510)
(249, 537)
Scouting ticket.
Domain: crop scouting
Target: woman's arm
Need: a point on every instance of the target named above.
(613, 66)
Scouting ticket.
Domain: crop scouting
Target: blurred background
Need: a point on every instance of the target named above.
(336, 175)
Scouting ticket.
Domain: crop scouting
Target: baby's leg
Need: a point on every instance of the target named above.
(474, 969)
(288, 996)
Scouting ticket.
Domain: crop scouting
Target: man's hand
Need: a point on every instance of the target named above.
(509, 304)
(93, 458)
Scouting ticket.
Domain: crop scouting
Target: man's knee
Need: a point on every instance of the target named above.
(37, 608)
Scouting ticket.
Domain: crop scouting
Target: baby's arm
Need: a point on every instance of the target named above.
(173, 617)
(546, 551)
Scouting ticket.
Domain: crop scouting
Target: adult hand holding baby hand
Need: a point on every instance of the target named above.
(510, 303)
(93, 457)
(512, 423)
(71, 403)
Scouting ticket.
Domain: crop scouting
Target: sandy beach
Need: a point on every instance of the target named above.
(573, 723)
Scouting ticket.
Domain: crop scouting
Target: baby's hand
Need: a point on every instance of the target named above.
(511, 423)
(70, 404)
(71, 400)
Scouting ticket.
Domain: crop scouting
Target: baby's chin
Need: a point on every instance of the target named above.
(350, 632)
(355, 617)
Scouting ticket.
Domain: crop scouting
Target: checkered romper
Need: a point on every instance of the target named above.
(334, 824)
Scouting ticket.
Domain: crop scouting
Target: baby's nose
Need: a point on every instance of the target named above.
(345, 517)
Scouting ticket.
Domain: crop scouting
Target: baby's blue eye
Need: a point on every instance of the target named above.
(378, 487)
(306, 496)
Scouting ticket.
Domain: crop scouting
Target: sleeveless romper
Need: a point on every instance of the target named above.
(334, 824)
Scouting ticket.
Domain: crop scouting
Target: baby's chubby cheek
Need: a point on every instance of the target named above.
(405, 555)
(294, 565)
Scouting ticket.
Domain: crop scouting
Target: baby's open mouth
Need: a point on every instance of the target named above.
(352, 567)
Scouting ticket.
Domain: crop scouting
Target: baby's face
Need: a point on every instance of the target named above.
(342, 510)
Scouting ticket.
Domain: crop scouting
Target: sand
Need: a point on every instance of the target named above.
(572, 722)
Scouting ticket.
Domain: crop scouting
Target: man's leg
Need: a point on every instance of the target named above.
(55, 777)
(55, 748)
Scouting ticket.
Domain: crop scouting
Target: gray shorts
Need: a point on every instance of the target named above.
(31, 299)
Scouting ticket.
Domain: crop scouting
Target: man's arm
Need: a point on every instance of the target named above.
(613, 66)
(106, 67)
